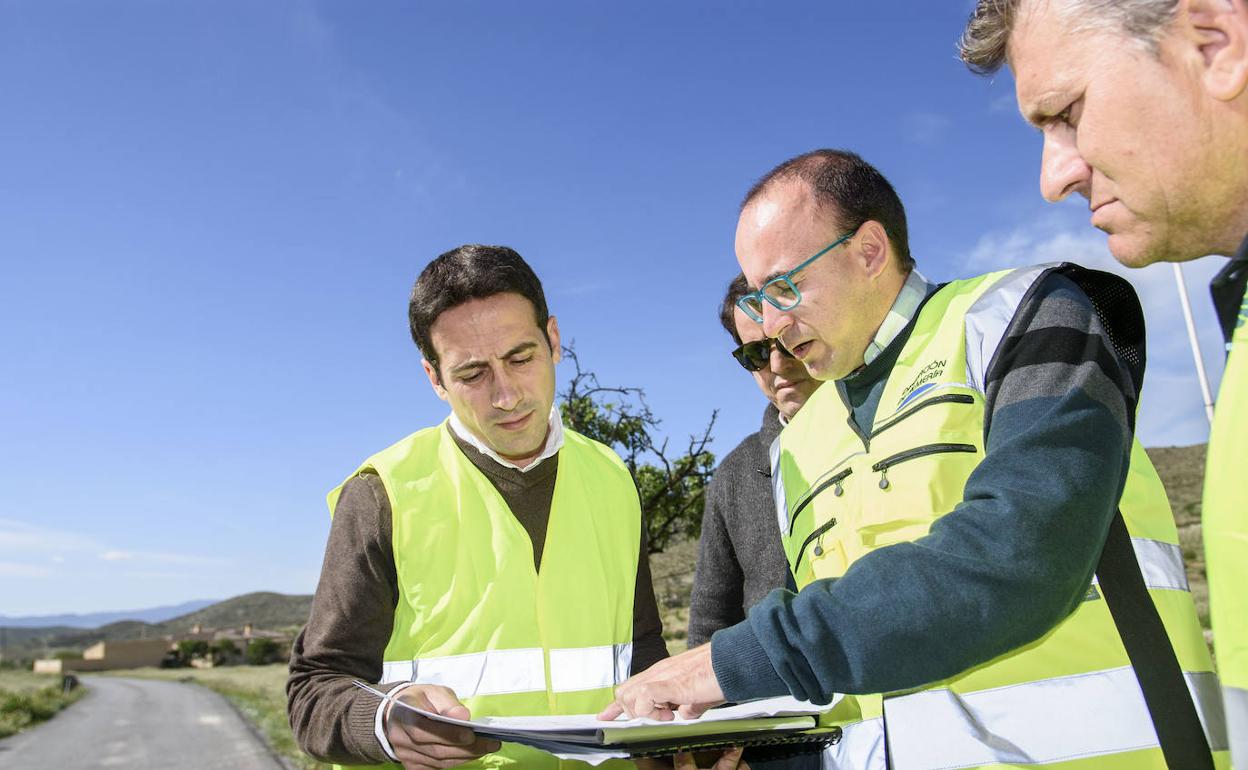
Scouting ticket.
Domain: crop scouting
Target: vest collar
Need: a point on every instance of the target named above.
(911, 296)
(1227, 291)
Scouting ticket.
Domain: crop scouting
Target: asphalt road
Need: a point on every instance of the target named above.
(141, 724)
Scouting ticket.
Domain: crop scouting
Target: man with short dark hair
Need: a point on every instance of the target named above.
(948, 499)
(492, 564)
(1143, 110)
(740, 558)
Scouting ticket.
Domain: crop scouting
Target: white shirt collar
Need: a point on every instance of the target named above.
(554, 441)
(904, 307)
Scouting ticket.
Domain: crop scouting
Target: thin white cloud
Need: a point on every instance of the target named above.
(159, 557)
(926, 128)
(156, 557)
(1004, 103)
(156, 575)
(17, 570)
(21, 540)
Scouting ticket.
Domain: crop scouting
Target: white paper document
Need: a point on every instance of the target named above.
(586, 738)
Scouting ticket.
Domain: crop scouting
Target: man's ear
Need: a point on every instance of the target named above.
(1219, 30)
(552, 333)
(874, 247)
(435, 380)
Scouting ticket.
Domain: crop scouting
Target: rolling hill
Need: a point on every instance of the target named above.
(264, 610)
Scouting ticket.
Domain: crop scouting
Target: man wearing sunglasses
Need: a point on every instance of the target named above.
(951, 506)
(740, 558)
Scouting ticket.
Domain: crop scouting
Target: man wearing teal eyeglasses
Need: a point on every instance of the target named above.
(950, 507)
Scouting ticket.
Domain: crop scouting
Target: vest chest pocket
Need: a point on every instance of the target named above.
(883, 466)
(814, 517)
(911, 489)
(834, 485)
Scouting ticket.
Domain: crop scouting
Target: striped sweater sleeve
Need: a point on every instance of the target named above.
(1010, 561)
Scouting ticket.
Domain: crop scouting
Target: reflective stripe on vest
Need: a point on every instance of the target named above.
(1235, 702)
(861, 747)
(498, 672)
(989, 317)
(1161, 564)
(1037, 722)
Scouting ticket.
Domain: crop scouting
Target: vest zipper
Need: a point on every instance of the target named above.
(950, 398)
(910, 454)
(833, 481)
(817, 535)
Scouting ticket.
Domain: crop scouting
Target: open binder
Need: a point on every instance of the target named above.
(781, 723)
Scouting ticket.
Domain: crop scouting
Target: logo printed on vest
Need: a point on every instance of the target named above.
(928, 373)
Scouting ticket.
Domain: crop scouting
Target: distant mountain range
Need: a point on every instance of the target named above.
(263, 610)
(97, 619)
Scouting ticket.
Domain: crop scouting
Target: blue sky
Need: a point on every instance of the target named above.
(211, 215)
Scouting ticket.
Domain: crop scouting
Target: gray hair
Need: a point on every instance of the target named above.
(984, 45)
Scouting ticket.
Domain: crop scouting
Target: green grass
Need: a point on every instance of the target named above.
(259, 692)
(27, 699)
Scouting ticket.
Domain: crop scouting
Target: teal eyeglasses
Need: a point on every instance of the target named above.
(780, 292)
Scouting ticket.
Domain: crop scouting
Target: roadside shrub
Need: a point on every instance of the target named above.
(19, 710)
(261, 652)
(192, 650)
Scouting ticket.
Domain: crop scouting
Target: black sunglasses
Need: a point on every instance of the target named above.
(753, 356)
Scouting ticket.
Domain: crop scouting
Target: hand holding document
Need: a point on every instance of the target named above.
(586, 738)
(420, 742)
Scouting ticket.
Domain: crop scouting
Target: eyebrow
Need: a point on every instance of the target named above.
(774, 275)
(477, 363)
(1043, 108)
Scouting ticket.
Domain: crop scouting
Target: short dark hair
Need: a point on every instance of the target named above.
(737, 289)
(851, 188)
(471, 271)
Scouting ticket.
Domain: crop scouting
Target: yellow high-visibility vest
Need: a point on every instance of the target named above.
(475, 615)
(1069, 699)
(1224, 521)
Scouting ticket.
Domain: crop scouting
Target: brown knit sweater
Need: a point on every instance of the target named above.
(353, 610)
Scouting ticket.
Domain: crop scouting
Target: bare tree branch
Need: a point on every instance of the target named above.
(670, 486)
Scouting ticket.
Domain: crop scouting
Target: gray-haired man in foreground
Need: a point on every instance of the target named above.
(1142, 106)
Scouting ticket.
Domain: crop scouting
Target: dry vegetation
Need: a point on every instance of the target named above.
(1182, 470)
(26, 699)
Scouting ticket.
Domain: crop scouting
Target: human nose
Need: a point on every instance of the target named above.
(778, 359)
(775, 321)
(1062, 169)
(506, 394)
